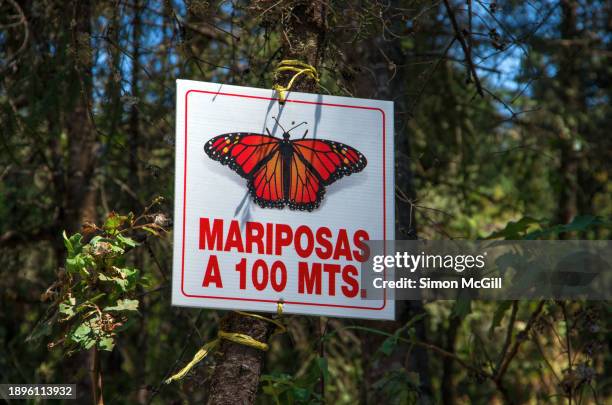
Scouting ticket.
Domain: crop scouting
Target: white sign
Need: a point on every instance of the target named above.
(274, 202)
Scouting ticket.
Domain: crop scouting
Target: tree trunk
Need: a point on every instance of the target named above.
(135, 180)
(96, 377)
(385, 79)
(570, 88)
(135, 174)
(236, 376)
(80, 193)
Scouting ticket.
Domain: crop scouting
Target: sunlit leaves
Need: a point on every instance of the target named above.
(500, 311)
(462, 306)
(530, 228)
(73, 244)
(286, 389)
(97, 290)
(67, 308)
(83, 335)
(114, 222)
(578, 224)
(124, 305)
(126, 241)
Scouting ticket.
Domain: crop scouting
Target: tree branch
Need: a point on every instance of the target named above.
(464, 46)
(520, 338)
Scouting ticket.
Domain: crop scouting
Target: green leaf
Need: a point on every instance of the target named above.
(462, 307)
(81, 331)
(323, 368)
(391, 341)
(579, 224)
(83, 335)
(127, 241)
(122, 283)
(124, 305)
(514, 230)
(277, 385)
(78, 264)
(389, 345)
(511, 260)
(400, 386)
(67, 309)
(301, 394)
(96, 239)
(150, 230)
(113, 222)
(269, 390)
(115, 248)
(106, 343)
(73, 244)
(126, 279)
(499, 314)
(67, 243)
(146, 281)
(131, 275)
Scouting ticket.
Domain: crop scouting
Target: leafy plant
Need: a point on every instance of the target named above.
(94, 296)
(401, 386)
(287, 389)
(528, 228)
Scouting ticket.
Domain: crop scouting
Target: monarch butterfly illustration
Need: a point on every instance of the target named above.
(285, 172)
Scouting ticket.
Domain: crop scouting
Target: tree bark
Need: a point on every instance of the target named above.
(80, 193)
(385, 79)
(570, 95)
(135, 174)
(236, 376)
(79, 203)
(96, 377)
(135, 181)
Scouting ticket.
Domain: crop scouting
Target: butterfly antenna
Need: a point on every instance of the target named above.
(279, 124)
(300, 124)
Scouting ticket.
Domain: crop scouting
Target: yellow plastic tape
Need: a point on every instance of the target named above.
(238, 338)
(199, 356)
(300, 68)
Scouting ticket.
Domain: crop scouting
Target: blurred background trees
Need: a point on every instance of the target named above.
(502, 113)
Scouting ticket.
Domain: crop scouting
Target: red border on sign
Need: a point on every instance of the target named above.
(185, 200)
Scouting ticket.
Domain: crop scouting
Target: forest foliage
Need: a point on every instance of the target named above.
(502, 126)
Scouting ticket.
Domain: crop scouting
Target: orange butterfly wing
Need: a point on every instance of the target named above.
(277, 176)
(243, 152)
(317, 163)
(266, 185)
(305, 186)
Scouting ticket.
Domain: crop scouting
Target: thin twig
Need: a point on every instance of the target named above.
(508, 334)
(539, 346)
(568, 341)
(26, 36)
(521, 337)
(156, 390)
(426, 82)
(464, 46)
